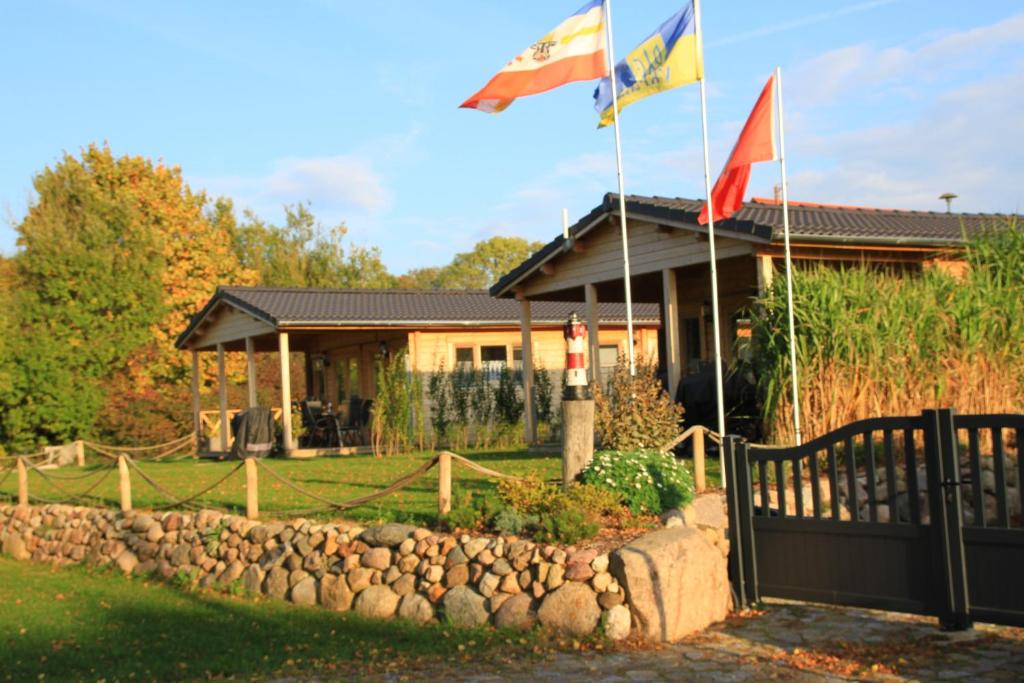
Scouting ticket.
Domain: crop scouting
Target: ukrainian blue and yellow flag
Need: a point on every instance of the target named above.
(669, 58)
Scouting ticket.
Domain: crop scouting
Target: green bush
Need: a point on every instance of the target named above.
(511, 521)
(569, 524)
(647, 481)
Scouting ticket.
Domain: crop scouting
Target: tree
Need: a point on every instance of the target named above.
(476, 269)
(117, 254)
(303, 253)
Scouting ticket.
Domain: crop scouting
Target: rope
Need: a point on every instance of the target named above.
(138, 449)
(689, 433)
(65, 477)
(469, 464)
(72, 497)
(174, 500)
(362, 500)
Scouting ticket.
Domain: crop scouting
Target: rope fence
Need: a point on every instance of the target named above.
(126, 466)
(696, 434)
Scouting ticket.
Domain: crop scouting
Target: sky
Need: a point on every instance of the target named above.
(353, 108)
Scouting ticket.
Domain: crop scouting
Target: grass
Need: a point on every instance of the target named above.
(336, 478)
(77, 623)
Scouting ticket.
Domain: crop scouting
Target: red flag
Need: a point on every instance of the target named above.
(756, 143)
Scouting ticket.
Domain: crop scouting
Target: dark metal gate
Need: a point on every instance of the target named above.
(920, 514)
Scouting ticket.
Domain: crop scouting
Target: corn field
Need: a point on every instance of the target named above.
(872, 342)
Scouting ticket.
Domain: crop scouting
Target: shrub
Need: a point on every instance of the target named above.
(635, 412)
(393, 406)
(647, 481)
(512, 521)
(570, 524)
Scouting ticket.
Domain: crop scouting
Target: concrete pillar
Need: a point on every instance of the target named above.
(525, 327)
(593, 332)
(222, 393)
(286, 392)
(250, 363)
(670, 326)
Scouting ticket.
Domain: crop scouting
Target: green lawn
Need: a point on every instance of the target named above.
(337, 478)
(74, 623)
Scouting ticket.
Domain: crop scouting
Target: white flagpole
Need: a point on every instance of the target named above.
(622, 192)
(789, 261)
(711, 243)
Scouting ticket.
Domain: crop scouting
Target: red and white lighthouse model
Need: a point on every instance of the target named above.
(575, 332)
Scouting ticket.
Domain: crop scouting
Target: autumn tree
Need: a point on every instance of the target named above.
(305, 253)
(116, 254)
(478, 268)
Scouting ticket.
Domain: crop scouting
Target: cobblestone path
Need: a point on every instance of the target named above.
(789, 641)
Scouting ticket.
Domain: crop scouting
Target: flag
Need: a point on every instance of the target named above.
(668, 58)
(756, 143)
(573, 51)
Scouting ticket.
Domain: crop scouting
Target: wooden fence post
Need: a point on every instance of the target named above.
(444, 483)
(80, 453)
(698, 460)
(125, 484)
(22, 483)
(252, 493)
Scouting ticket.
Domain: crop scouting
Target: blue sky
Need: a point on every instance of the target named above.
(352, 106)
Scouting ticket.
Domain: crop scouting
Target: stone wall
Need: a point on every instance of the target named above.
(381, 571)
(398, 570)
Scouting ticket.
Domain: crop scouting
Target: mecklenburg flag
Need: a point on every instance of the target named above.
(668, 58)
(756, 143)
(573, 51)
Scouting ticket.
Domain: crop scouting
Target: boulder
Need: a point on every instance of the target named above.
(709, 511)
(14, 547)
(252, 579)
(304, 592)
(335, 593)
(230, 573)
(359, 578)
(456, 576)
(571, 609)
(617, 622)
(415, 607)
(390, 535)
(379, 602)
(277, 583)
(127, 561)
(517, 612)
(376, 558)
(675, 581)
(464, 607)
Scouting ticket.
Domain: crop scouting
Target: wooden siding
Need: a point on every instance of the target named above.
(229, 325)
(651, 249)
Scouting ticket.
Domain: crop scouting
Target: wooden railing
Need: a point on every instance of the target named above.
(209, 422)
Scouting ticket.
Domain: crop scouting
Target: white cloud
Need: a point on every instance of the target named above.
(965, 141)
(338, 188)
(867, 68)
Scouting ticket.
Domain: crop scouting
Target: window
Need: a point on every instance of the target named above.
(464, 358)
(691, 340)
(608, 357)
(517, 358)
(492, 360)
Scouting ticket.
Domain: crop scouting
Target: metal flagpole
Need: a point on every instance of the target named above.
(622, 192)
(711, 243)
(789, 260)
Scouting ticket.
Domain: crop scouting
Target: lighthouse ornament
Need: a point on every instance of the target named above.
(575, 333)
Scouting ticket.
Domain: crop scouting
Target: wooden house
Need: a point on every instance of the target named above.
(670, 264)
(341, 333)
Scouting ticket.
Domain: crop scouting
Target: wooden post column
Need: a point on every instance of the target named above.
(670, 326)
(593, 332)
(197, 423)
(526, 328)
(286, 392)
(250, 362)
(222, 393)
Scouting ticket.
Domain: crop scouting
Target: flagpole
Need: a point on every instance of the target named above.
(711, 241)
(789, 261)
(622, 191)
